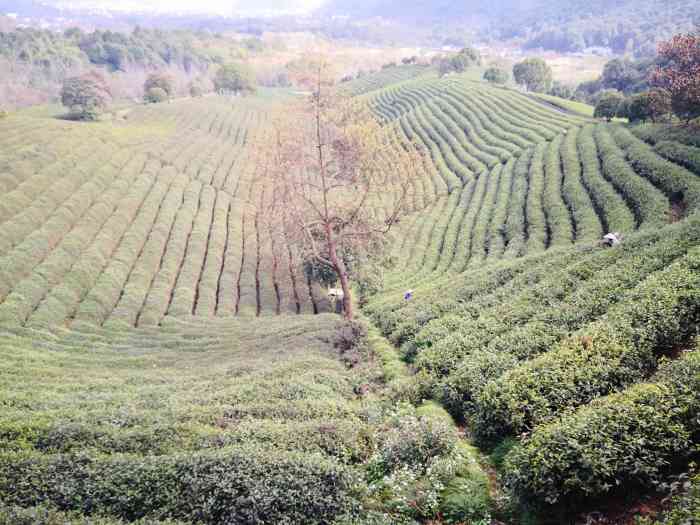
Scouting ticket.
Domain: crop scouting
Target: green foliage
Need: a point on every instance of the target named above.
(608, 106)
(684, 504)
(534, 74)
(144, 48)
(236, 78)
(609, 355)
(561, 90)
(496, 75)
(633, 436)
(641, 107)
(272, 487)
(625, 76)
(86, 96)
(688, 156)
(459, 63)
(45, 515)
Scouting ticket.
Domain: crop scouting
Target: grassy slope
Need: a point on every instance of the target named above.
(578, 108)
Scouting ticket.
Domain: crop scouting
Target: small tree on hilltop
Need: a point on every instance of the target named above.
(680, 75)
(534, 74)
(495, 75)
(651, 105)
(460, 62)
(86, 96)
(160, 81)
(196, 89)
(155, 95)
(339, 178)
(561, 90)
(235, 78)
(609, 105)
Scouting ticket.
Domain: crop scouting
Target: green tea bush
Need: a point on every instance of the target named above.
(688, 156)
(649, 205)
(514, 230)
(655, 133)
(158, 299)
(603, 358)
(674, 180)
(534, 211)
(45, 515)
(559, 218)
(412, 442)
(684, 504)
(628, 438)
(510, 141)
(587, 224)
(230, 486)
(611, 208)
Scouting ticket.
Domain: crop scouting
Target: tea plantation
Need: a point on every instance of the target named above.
(164, 358)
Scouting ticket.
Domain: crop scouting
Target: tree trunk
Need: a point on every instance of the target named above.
(347, 300)
(342, 272)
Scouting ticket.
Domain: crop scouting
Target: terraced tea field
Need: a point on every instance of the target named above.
(129, 223)
(160, 359)
(539, 339)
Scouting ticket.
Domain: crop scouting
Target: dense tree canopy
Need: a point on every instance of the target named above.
(495, 75)
(155, 95)
(236, 78)
(117, 51)
(609, 105)
(680, 75)
(161, 81)
(534, 74)
(86, 96)
(460, 62)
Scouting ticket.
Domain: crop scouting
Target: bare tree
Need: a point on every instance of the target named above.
(340, 181)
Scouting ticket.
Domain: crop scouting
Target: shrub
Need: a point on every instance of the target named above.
(626, 438)
(351, 340)
(155, 95)
(414, 442)
(3, 113)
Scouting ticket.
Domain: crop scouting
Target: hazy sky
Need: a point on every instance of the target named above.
(218, 6)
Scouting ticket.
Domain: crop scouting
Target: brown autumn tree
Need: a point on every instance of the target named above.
(86, 96)
(679, 75)
(340, 183)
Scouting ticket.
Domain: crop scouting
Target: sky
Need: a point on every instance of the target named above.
(226, 7)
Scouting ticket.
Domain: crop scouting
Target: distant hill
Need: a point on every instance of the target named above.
(621, 25)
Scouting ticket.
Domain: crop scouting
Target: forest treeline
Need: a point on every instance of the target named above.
(36, 61)
(622, 26)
